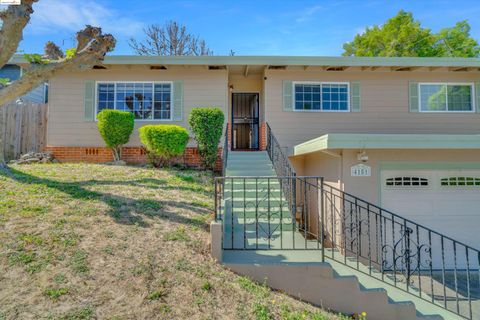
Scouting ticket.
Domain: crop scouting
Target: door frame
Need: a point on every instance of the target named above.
(233, 124)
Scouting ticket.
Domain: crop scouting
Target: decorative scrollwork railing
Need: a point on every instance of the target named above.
(256, 215)
(290, 212)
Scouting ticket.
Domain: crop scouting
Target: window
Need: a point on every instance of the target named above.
(406, 182)
(146, 100)
(460, 181)
(446, 97)
(321, 96)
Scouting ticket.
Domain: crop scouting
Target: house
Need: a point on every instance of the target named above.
(369, 164)
(13, 72)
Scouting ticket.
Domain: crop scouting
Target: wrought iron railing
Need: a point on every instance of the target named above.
(280, 161)
(226, 146)
(401, 252)
(256, 215)
(283, 167)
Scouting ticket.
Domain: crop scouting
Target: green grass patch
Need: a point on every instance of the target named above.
(55, 293)
(84, 313)
(79, 263)
(179, 234)
(157, 294)
(262, 312)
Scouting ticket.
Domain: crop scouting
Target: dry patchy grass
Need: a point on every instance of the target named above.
(81, 241)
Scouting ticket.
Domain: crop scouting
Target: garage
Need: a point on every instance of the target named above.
(446, 201)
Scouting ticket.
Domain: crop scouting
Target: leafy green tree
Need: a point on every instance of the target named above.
(403, 36)
(456, 42)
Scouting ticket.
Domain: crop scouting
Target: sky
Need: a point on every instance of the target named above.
(260, 27)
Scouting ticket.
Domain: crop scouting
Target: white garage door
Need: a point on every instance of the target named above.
(446, 201)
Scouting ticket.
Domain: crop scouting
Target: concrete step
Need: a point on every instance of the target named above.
(250, 172)
(330, 284)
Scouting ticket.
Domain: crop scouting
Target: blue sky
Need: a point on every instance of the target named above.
(258, 27)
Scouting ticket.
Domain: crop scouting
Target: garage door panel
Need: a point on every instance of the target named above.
(449, 204)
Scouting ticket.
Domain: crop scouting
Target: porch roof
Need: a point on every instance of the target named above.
(388, 141)
(285, 60)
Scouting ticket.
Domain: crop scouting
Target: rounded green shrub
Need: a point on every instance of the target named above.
(163, 142)
(115, 127)
(207, 127)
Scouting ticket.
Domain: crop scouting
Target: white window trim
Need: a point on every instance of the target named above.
(471, 84)
(153, 98)
(321, 83)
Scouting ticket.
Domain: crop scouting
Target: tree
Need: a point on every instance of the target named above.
(92, 46)
(402, 36)
(172, 39)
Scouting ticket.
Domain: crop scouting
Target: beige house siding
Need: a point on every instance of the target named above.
(368, 187)
(336, 170)
(384, 105)
(66, 124)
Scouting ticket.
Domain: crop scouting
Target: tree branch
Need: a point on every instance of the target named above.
(91, 49)
(14, 19)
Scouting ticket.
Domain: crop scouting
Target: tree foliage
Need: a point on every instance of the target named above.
(163, 142)
(115, 127)
(172, 39)
(403, 36)
(207, 126)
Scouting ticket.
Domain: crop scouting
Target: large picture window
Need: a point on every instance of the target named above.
(146, 100)
(438, 97)
(321, 96)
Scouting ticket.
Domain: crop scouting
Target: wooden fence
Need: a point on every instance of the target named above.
(23, 128)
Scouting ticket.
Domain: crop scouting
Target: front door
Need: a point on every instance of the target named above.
(245, 121)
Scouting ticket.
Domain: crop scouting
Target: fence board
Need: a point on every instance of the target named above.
(23, 128)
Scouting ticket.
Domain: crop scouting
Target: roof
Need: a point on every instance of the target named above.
(388, 141)
(285, 60)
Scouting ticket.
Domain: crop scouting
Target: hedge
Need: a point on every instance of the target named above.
(207, 126)
(163, 142)
(115, 127)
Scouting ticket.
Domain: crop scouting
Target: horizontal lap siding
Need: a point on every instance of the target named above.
(66, 125)
(384, 106)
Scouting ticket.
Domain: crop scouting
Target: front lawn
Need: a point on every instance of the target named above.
(84, 241)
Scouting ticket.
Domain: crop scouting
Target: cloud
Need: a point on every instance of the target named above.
(73, 15)
(308, 13)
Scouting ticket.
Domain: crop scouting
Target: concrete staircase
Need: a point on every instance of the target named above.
(299, 273)
(256, 206)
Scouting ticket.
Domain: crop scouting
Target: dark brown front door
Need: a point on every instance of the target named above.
(245, 121)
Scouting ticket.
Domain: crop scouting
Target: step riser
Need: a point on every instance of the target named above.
(254, 194)
(261, 173)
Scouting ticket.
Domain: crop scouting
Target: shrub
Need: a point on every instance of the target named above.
(207, 126)
(115, 128)
(163, 142)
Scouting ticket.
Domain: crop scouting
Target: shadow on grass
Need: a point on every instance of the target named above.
(122, 209)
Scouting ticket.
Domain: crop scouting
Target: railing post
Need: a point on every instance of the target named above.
(216, 200)
(322, 219)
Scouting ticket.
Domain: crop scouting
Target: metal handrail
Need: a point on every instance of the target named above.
(280, 161)
(225, 150)
(261, 212)
(385, 246)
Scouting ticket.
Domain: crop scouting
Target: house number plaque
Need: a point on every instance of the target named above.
(361, 170)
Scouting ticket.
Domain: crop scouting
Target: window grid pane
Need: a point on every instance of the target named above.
(145, 100)
(443, 97)
(326, 96)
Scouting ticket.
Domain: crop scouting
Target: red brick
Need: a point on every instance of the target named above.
(137, 155)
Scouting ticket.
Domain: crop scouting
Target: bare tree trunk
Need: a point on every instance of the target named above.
(14, 20)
